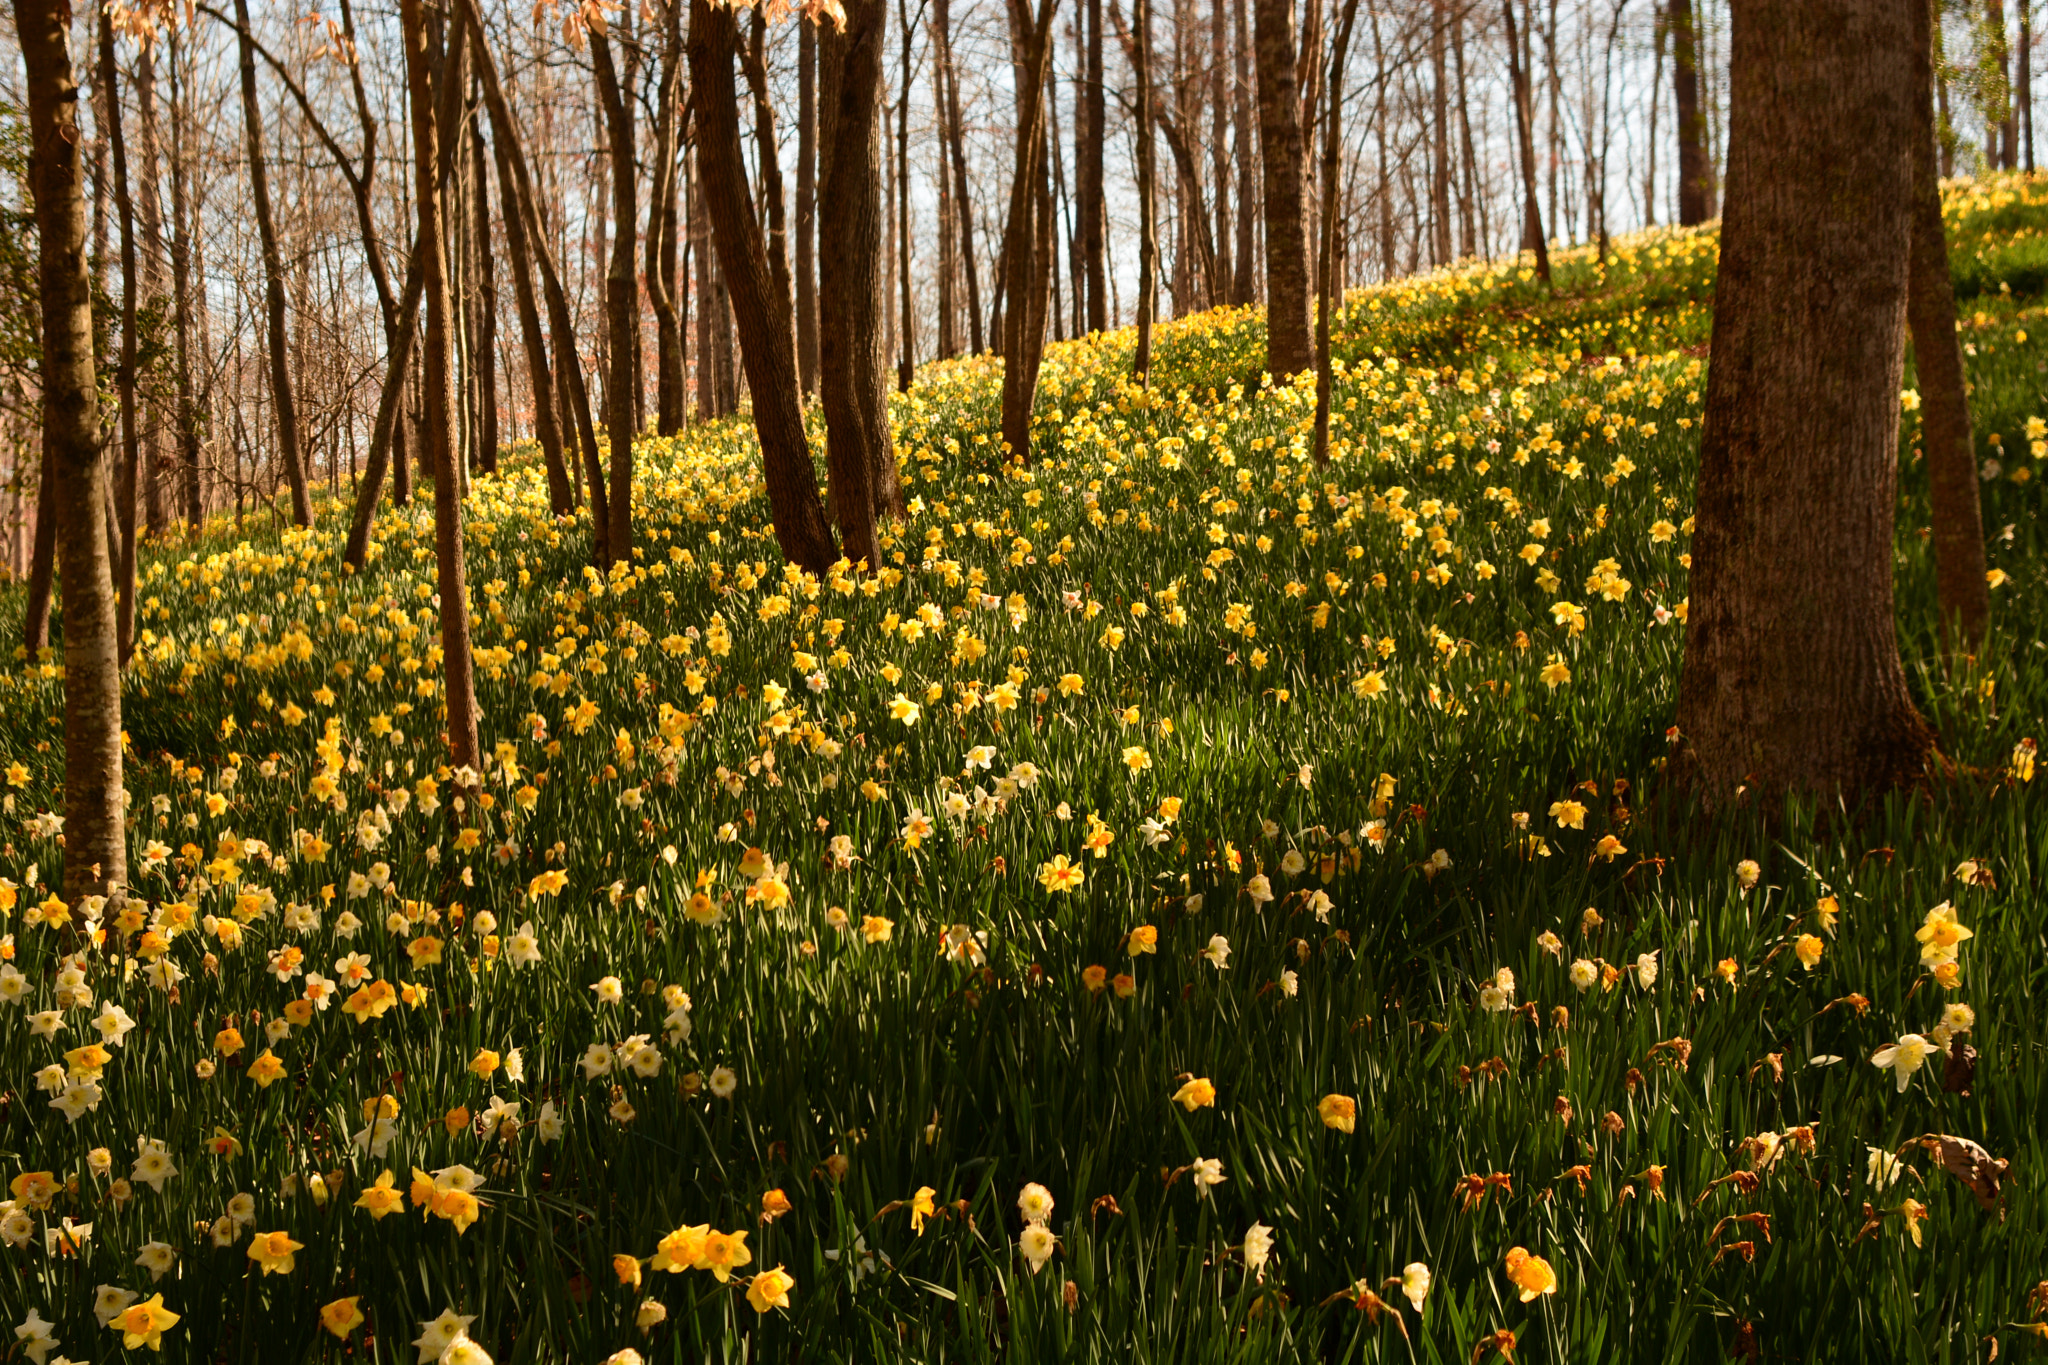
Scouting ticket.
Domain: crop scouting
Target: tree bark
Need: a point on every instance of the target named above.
(767, 327)
(1326, 257)
(149, 218)
(859, 457)
(906, 366)
(1148, 190)
(185, 302)
(438, 428)
(1026, 261)
(1246, 288)
(1518, 84)
(130, 466)
(385, 450)
(621, 298)
(95, 845)
(483, 354)
(1440, 150)
(1695, 204)
(1284, 155)
(290, 453)
(956, 144)
(546, 425)
(1792, 676)
(661, 232)
(1945, 442)
(1219, 147)
(807, 209)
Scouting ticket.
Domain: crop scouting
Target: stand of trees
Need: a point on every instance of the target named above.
(304, 329)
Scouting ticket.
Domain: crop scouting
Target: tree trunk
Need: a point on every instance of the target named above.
(124, 202)
(2024, 92)
(767, 327)
(858, 455)
(1440, 150)
(807, 209)
(1091, 129)
(185, 301)
(1285, 157)
(568, 365)
(1518, 84)
(1694, 202)
(1246, 289)
(621, 298)
(483, 353)
(1469, 239)
(956, 142)
(149, 217)
(1025, 260)
(289, 450)
(1219, 147)
(385, 448)
(95, 845)
(1945, 442)
(438, 429)
(1792, 676)
(546, 426)
(1148, 192)
(661, 233)
(1327, 294)
(906, 365)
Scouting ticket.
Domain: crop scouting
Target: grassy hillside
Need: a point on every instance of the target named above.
(1172, 765)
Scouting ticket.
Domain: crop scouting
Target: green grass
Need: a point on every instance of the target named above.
(903, 1066)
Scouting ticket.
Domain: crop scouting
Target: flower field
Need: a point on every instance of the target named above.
(1190, 905)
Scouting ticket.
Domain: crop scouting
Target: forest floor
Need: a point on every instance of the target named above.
(1256, 874)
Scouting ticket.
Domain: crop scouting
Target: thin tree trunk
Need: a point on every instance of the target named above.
(906, 365)
(767, 324)
(1246, 289)
(1327, 292)
(622, 296)
(1219, 147)
(290, 452)
(1148, 193)
(807, 209)
(95, 845)
(483, 353)
(1945, 443)
(1792, 676)
(149, 217)
(546, 426)
(438, 430)
(661, 233)
(1532, 215)
(1469, 238)
(124, 497)
(2024, 92)
(1440, 151)
(385, 450)
(1285, 156)
(956, 142)
(184, 299)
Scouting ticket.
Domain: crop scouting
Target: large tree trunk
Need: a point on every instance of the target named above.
(621, 296)
(438, 429)
(859, 458)
(1937, 357)
(1518, 87)
(1792, 676)
(1695, 199)
(290, 453)
(1026, 258)
(767, 327)
(1285, 156)
(568, 366)
(95, 845)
